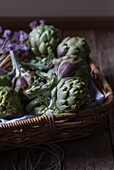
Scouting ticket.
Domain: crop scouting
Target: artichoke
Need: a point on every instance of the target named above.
(9, 102)
(27, 83)
(22, 79)
(42, 88)
(69, 95)
(43, 39)
(73, 46)
(72, 66)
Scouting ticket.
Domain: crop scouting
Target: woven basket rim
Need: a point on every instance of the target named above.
(91, 112)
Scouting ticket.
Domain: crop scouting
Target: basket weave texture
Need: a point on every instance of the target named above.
(56, 128)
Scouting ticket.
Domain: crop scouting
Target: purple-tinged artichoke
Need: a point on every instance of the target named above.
(20, 84)
(29, 84)
(23, 79)
(69, 95)
(73, 46)
(72, 66)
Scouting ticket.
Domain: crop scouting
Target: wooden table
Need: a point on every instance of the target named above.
(95, 152)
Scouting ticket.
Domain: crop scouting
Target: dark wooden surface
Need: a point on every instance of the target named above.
(95, 152)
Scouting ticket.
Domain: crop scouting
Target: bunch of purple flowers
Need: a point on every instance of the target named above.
(15, 40)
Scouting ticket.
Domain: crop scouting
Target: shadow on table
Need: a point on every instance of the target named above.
(92, 152)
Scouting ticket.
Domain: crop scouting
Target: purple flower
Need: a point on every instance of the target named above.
(22, 50)
(23, 36)
(33, 24)
(9, 47)
(15, 37)
(1, 41)
(17, 46)
(1, 30)
(24, 47)
(7, 33)
(1, 52)
(42, 22)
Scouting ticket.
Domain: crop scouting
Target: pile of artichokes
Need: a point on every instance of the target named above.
(54, 79)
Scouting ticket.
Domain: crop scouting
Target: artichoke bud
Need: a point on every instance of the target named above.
(72, 66)
(61, 50)
(21, 84)
(23, 79)
(42, 37)
(64, 66)
(73, 46)
(69, 95)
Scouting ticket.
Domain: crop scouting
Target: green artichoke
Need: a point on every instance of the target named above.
(69, 95)
(73, 46)
(43, 40)
(9, 102)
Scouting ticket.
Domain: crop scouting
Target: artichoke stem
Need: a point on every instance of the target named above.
(16, 63)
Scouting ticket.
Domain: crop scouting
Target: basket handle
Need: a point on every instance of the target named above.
(100, 81)
(45, 120)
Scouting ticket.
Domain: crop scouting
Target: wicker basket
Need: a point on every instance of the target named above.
(56, 128)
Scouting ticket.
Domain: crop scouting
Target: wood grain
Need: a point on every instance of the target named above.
(108, 68)
(91, 153)
(94, 152)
